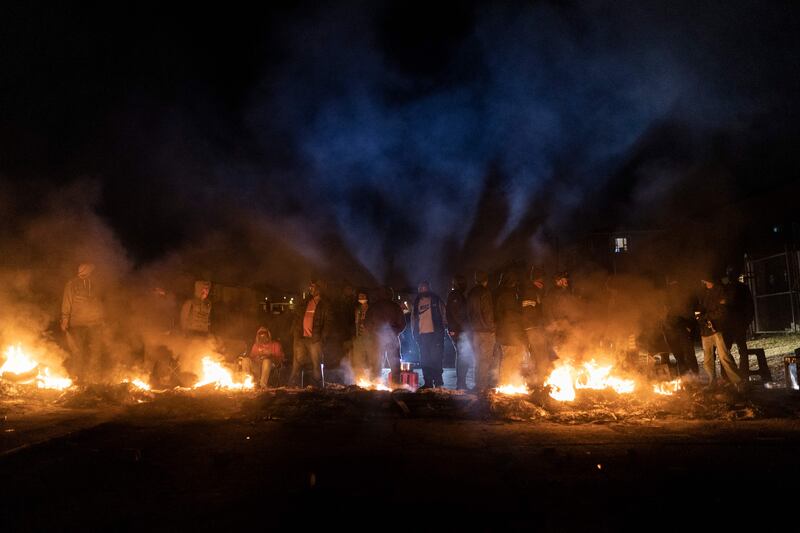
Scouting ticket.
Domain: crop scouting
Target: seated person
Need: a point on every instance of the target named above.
(264, 354)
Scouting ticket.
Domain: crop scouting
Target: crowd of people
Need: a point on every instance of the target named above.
(508, 334)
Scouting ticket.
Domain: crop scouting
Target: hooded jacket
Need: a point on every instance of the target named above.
(438, 314)
(456, 312)
(196, 312)
(508, 314)
(81, 305)
(266, 348)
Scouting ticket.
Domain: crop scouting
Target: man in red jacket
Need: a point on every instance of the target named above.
(264, 355)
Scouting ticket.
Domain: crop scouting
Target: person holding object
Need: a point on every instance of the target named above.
(711, 316)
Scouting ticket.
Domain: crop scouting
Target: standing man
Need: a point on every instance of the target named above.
(711, 316)
(480, 317)
(741, 311)
(678, 329)
(428, 322)
(385, 322)
(196, 312)
(82, 323)
(510, 334)
(311, 328)
(534, 323)
(363, 345)
(456, 327)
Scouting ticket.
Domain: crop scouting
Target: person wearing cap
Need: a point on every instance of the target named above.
(456, 326)
(263, 356)
(428, 324)
(711, 315)
(196, 311)
(480, 320)
(532, 295)
(82, 319)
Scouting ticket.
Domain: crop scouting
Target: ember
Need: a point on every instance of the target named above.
(668, 388)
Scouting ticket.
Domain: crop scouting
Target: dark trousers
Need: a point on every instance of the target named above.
(87, 358)
(738, 336)
(431, 356)
(307, 351)
(541, 354)
(464, 357)
(681, 345)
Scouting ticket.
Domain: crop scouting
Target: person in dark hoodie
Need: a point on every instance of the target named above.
(196, 312)
(82, 321)
(311, 327)
(741, 311)
(457, 329)
(510, 332)
(480, 317)
(385, 322)
(263, 356)
(678, 327)
(711, 316)
(533, 297)
(428, 323)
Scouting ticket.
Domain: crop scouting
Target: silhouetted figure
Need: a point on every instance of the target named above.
(510, 331)
(711, 316)
(384, 322)
(456, 327)
(428, 322)
(196, 312)
(480, 317)
(678, 328)
(363, 354)
(533, 298)
(82, 321)
(741, 312)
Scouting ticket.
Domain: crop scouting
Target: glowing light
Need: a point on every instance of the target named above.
(19, 363)
(138, 383)
(566, 379)
(668, 388)
(221, 377)
(372, 385)
(512, 390)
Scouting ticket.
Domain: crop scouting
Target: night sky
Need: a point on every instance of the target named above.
(387, 141)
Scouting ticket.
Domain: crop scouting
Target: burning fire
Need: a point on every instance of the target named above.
(138, 383)
(566, 379)
(372, 385)
(19, 364)
(214, 372)
(668, 388)
(512, 390)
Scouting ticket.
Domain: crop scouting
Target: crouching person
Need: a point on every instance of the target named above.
(264, 355)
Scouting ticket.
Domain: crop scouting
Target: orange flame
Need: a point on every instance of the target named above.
(214, 372)
(19, 363)
(668, 388)
(512, 390)
(372, 385)
(565, 379)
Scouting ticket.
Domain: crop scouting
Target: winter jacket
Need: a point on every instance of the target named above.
(196, 312)
(532, 306)
(321, 327)
(81, 305)
(456, 312)
(508, 315)
(480, 310)
(438, 314)
(713, 311)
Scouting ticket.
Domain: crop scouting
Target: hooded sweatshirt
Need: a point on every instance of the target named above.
(266, 348)
(196, 312)
(81, 305)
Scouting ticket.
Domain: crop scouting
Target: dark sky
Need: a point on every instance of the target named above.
(394, 140)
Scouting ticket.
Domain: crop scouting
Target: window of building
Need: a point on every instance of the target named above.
(620, 245)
